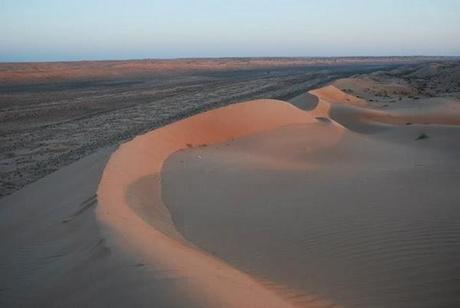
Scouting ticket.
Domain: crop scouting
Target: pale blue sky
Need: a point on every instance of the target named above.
(49, 30)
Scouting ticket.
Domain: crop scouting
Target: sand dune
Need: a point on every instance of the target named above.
(249, 205)
(357, 114)
(130, 190)
(132, 208)
(334, 95)
(213, 282)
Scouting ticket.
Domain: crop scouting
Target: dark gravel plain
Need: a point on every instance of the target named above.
(48, 124)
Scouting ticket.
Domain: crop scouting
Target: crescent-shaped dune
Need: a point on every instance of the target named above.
(137, 221)
(206, 279)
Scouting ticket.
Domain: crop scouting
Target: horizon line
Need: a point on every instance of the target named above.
(227, 57)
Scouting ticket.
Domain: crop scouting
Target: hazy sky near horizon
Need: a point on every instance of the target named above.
(53, 30)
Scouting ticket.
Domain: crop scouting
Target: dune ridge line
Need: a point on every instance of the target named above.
(208, 280)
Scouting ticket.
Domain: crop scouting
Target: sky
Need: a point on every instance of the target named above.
(53, 30)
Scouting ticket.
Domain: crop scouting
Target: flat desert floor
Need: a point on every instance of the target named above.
(347, 195)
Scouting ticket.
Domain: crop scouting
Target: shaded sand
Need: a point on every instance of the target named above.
(364, 220)
(374, 223)
(53, 252)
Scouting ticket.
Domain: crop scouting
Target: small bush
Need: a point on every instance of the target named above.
(422, 136)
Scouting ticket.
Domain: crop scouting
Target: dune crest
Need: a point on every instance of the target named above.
(206, 279)
(333, 94)
(352, 111)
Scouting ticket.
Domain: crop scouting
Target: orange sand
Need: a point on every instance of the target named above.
(208, 280)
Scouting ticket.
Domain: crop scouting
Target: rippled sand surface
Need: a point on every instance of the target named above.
(370, 220)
